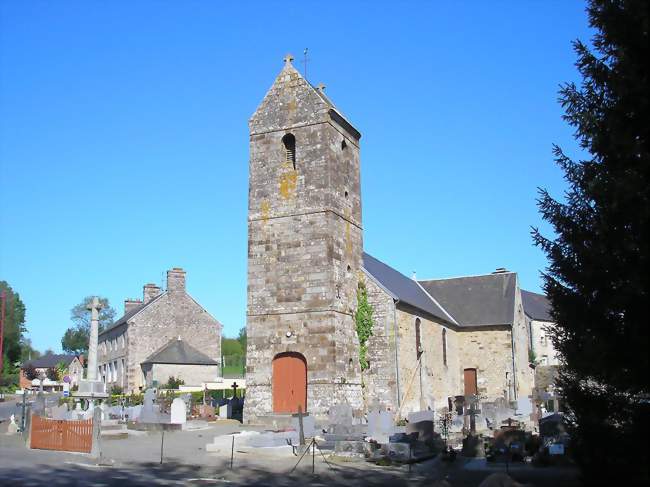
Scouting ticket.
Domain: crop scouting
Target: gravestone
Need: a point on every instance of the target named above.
(60, 412)
(149, 412)
(132, 413)
(225, 411)
(424, 429)
(308, 425)
(420, 416)
(380, 426)
(421, 422)
(340, 419)
(13, 427)
(178, 411)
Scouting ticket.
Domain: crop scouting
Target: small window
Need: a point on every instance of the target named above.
(418, 343)
(444, 346)
(289, 143)
(343, 145)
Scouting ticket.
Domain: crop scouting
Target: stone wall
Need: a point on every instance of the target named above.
(380, 380)
(521, 345)
(487, 349)
(172, 315)
(429, 384)
(112, 349)
(545, 353)
(192, 375)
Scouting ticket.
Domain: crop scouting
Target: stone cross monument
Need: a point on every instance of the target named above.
(92, 387)
(94, 306)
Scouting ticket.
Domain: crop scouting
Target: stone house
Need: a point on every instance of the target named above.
(73, 364)
(540, 322)
(148, 326)
(433, 340)
(182, 361)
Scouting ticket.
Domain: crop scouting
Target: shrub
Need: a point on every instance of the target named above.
(173, 383)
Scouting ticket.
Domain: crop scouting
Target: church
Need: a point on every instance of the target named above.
(434, 343)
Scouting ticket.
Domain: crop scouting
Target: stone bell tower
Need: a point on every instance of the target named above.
(304, 253)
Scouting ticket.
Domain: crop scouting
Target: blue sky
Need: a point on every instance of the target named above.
(124, 138)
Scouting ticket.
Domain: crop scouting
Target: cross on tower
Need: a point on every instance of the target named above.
(288, 58)
(305, 59)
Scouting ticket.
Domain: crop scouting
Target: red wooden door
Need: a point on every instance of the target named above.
(289, 383)
(470, 382)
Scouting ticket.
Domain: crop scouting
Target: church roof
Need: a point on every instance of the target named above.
(477, 300)
(179, 352)
(536, 306)
(400, 287)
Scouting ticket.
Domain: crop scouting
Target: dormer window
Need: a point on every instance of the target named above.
(289, 143)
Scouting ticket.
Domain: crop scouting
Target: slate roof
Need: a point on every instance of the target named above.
(179, 352)
(476, 300)
(47, 361)
(401, 287)
(536, 306)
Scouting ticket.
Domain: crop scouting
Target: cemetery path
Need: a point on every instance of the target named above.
(136, 461)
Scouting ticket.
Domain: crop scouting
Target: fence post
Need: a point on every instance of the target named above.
(96, 448)
(28, 426)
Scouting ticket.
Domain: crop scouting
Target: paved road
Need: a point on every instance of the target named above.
(9, 407)
(12, 404)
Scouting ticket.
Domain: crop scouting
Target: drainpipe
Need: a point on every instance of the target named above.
(396, 331)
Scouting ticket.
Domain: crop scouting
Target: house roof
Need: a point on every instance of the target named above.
(402, 288)
(121, 322)
(536, 306)
(476, 300)
(47, 361)
(179, 352)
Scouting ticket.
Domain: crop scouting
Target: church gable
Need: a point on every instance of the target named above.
(291, 101)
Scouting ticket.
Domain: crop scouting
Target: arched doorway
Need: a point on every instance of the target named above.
(289, 383)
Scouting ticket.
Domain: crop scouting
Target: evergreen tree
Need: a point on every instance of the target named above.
(597, 278)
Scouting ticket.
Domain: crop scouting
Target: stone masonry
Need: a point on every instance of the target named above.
(305, 246)
(149, 325)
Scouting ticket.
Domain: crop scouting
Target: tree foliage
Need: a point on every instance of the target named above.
(241, 338)
(231, 346)
(597, 278)
(363, 321)
(75, 339)
(31, 372)
(52, 373)
(14, 325)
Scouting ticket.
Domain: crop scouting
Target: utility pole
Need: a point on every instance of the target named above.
(3, 298)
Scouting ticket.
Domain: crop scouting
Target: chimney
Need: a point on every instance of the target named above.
(129, 304)
(176, 280)
(500, 270)
(149, 291)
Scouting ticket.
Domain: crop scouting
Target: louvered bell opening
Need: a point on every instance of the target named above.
(289, 142)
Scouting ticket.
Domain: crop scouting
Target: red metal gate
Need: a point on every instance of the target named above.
(54, 434)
